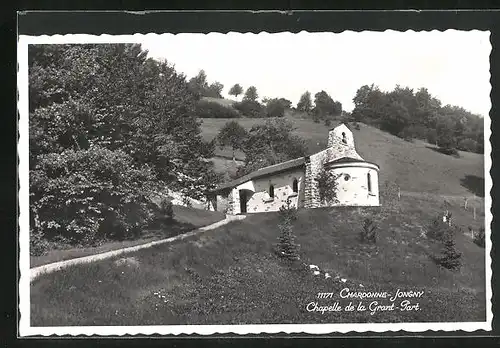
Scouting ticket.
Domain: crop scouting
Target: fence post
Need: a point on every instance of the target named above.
(465, 204)
(474, 212)
(399, 193)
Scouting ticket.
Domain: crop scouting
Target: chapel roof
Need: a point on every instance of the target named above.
(276, 168)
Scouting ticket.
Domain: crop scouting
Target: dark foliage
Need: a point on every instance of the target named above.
(479, 237)
(286, 246)
(327, 187)
(275, 108)
(450, 257)
(271, 143)
(419, 115)
(439, 230)
(250, 108)
(474, 184)
(108, 129)
(209, 109)
(369, 232)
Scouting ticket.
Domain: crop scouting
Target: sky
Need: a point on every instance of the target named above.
(452, 65)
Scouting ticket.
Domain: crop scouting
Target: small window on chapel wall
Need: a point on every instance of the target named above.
(271, 191)
(344, 139)
(295, 185)
(369, 178)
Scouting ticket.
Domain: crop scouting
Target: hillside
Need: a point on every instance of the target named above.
(231, 275)
(415, 167)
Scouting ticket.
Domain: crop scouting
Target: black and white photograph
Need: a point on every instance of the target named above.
(311, 182)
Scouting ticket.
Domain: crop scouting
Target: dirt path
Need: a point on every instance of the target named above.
(56, 266)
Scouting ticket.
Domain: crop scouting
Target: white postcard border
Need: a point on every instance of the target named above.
(25, 329)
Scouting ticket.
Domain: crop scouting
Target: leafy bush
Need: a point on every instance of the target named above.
(431, 136)
(450, 257)
(208, 109)
(275, 108)
(286, 247)
(479, 237)
(467, 144)
(369, 232)
(86, 196)
(444, 233)
(166, 212)
(250, 108)
(450, 151)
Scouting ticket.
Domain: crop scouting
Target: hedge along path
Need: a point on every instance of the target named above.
(57, 266)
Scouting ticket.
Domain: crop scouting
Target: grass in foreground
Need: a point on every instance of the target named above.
(230, 275)
(186, 219)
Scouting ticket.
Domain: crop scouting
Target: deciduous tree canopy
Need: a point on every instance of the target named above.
(109, 103)
(410, 114)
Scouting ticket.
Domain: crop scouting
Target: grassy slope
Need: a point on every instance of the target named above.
(230, 275)
(413, 166)
(186, 218)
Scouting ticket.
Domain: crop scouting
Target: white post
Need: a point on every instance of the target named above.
(474, 213)
(465, 204)
(399, 192)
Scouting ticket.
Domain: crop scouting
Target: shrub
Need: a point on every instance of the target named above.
(275, 108)
(439, 230)
(479, 237)
(450, 257)
(250, 108)
(89, 195)
(166, 212)
(208, 109)
(369, 232)
(432, 136)
(407, 134)
(356, 126)
(450, 151)
(467, 144)
(286, 247)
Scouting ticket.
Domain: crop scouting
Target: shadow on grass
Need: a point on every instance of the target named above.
(444, 151)
(474, 184)
(172, 229)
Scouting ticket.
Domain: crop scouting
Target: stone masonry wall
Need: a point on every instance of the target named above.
(339, 145)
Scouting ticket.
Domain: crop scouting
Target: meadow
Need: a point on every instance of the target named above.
(231, 275)
(414, 166)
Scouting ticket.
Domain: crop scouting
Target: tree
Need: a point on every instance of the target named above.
(396, 117)
(325, 107)
(232, 134)
(450, 256)
(198, 84)
(305, 102)
(327, 186)
(271, 143)
(215, 90)
(286, 247)
(109, 103)
(250, 108)
(274, 108)
(236, 90)
(251, 94)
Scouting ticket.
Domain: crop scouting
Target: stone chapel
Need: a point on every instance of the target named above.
(267, 189)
